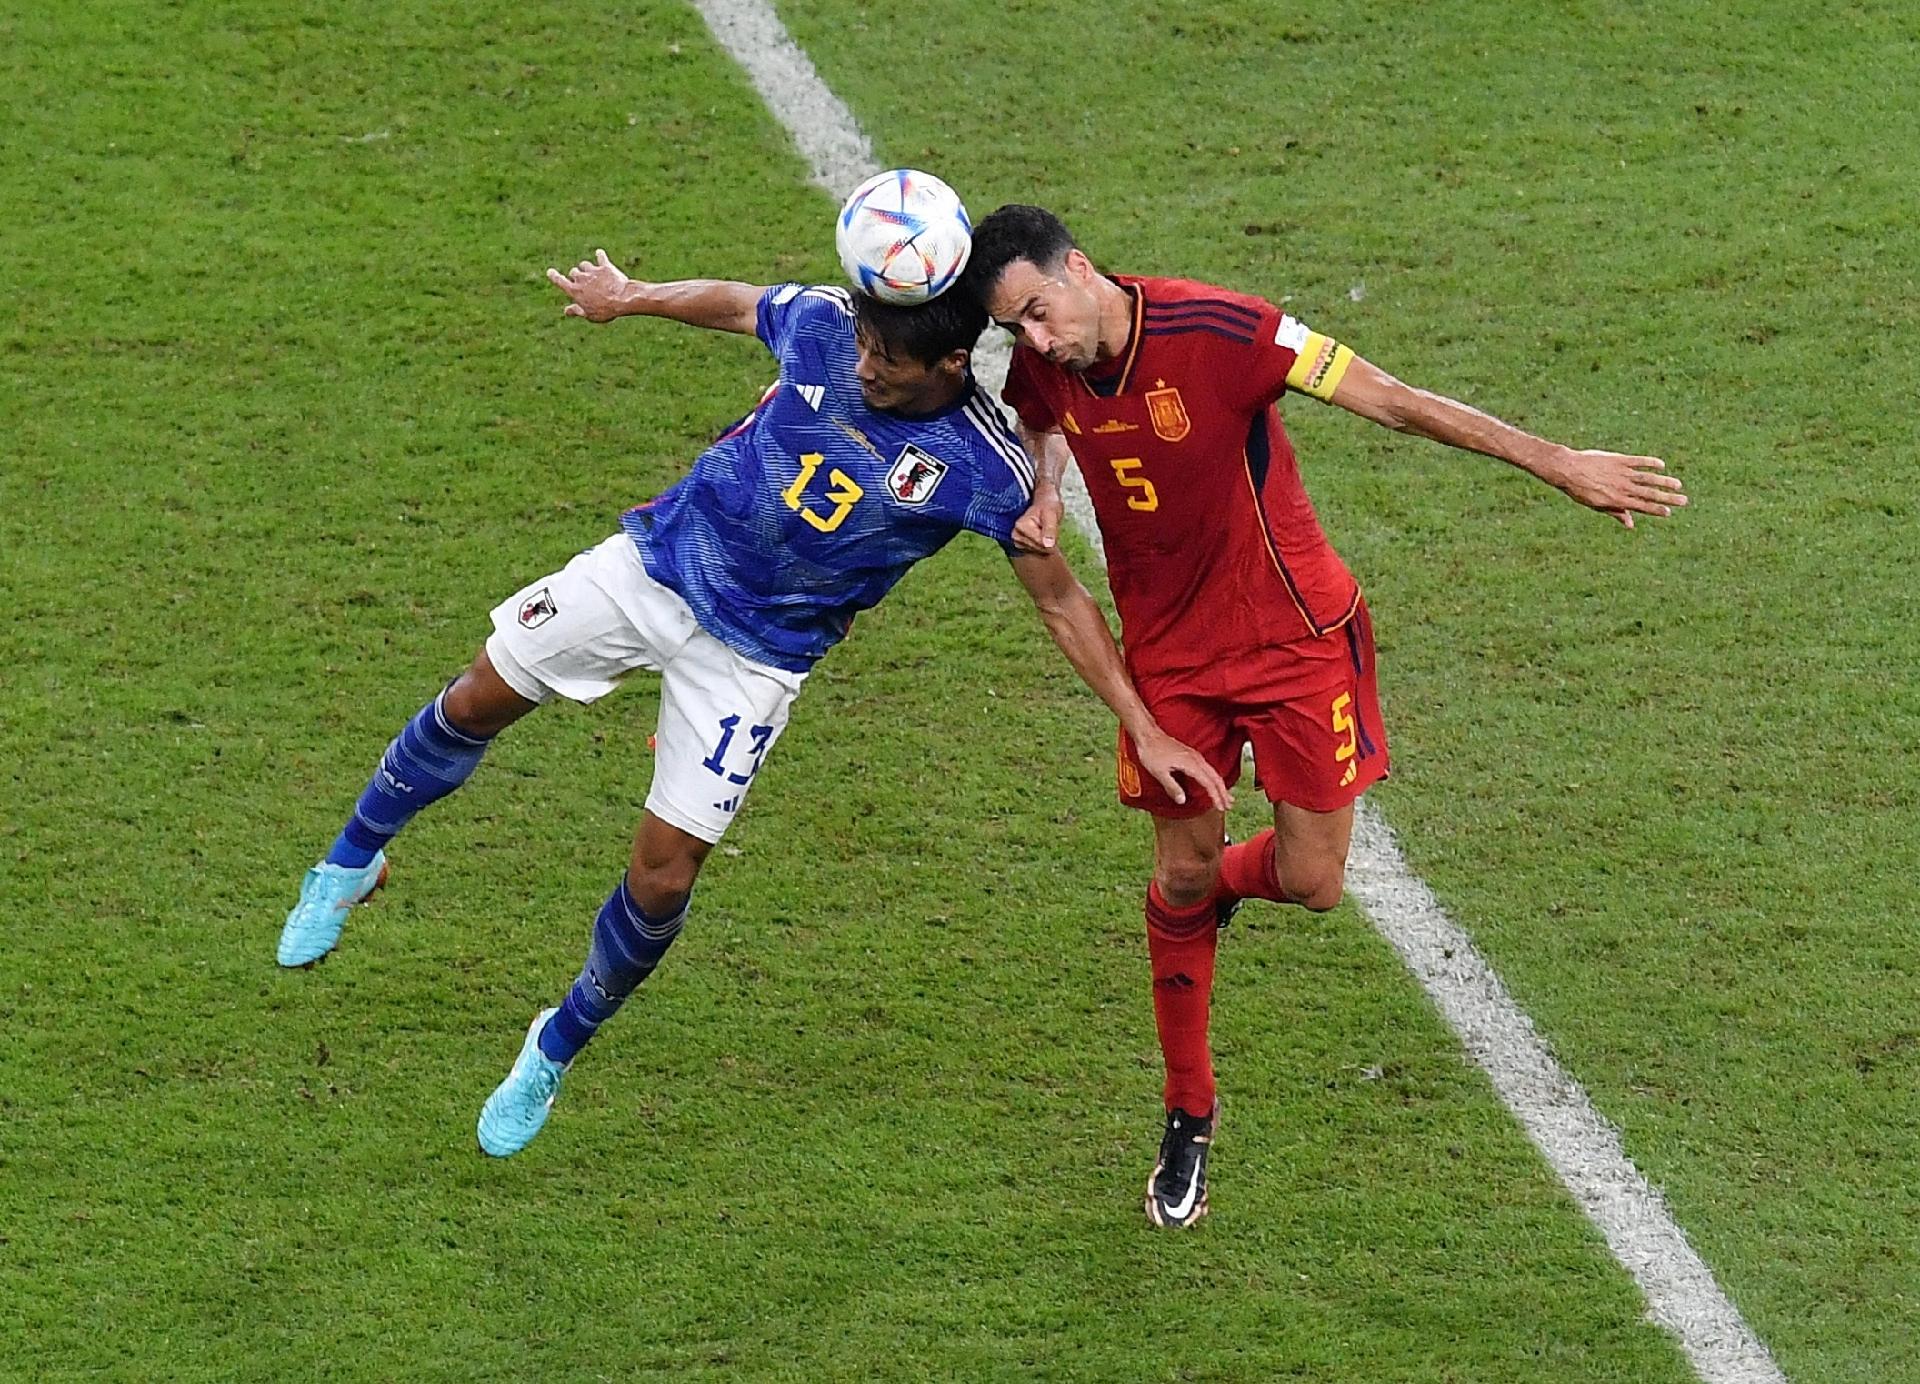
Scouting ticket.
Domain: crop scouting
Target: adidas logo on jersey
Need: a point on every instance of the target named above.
(814, 394)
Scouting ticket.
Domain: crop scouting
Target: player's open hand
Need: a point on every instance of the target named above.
(596, 286)
(1621, 486)
(1038, 530)
(1169, 761)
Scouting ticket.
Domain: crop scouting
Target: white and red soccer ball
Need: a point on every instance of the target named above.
(903, 236)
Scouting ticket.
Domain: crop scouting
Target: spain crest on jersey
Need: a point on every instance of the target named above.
(915, 476)
(1168, 413)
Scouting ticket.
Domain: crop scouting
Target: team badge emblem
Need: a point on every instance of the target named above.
(1168, 414)
(915, 476)
(537, 609)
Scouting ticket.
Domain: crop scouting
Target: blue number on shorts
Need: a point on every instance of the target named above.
(761, 736)
(717, 761)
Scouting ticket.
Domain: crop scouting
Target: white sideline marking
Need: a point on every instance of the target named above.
(1579, 1143)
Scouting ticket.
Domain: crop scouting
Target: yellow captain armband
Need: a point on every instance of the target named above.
(1319, 363)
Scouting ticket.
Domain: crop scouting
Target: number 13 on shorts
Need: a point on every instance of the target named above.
(716, 762)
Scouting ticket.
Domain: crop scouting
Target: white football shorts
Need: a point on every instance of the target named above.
(578, 632)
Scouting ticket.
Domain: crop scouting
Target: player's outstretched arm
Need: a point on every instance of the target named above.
(1080, 630)
(1038, 530)
(597, 290)
(1610, 482)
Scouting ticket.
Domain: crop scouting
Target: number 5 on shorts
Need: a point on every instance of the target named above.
(1343, 724)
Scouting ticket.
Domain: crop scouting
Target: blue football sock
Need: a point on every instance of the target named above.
(627, 945)
(426, 761)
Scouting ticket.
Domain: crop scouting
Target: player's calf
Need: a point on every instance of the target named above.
(628, 944)
(431, 757)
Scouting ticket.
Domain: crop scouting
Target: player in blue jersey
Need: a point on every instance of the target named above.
(872, 449)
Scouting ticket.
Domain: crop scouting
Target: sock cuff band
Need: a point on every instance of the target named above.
(445, 726)
(652, 928)
(1192, 921)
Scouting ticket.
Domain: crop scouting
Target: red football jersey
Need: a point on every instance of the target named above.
(1213, 549)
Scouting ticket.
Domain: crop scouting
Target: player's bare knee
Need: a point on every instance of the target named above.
(660, 879)
(665, 864)
(479, 701)
(1184, 883)
(1321, 890)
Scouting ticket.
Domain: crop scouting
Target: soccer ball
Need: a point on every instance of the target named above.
(903, 236)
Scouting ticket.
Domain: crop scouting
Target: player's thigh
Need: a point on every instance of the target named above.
(720, 716)
(576, 632)
(1310, 853)
(479, 701)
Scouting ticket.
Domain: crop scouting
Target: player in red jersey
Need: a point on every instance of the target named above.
(1241, 624)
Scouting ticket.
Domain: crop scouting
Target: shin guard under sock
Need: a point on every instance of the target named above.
(627, 945)
(427, 760)
(1180, 942)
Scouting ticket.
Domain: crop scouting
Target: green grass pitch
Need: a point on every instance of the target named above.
(285, 405)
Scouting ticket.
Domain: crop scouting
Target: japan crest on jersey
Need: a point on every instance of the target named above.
(915, 476)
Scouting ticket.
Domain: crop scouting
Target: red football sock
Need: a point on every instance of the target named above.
(1246, 870)
(1180, 942)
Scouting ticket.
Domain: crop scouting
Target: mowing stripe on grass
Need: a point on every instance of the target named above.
(1579, 1143)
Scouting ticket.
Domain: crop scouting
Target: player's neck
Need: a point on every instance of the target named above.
(1116, 321)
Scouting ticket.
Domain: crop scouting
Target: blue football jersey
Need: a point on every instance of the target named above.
(810, 508)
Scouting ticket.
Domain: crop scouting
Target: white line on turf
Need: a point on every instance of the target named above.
(1583, 1148)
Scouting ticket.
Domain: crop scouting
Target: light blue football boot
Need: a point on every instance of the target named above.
(518, 1106)
(328, 891)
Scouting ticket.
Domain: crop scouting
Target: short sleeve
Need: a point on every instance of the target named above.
(1288, 354)
(1002, 474)
(1024, 394)
(785, 306)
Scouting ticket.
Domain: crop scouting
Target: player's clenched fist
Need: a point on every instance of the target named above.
(1038, 530)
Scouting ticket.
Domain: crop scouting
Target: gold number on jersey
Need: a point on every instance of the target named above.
(842, 491)
(1148, 499)
(1343, 724)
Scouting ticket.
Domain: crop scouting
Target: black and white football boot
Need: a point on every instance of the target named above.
(1177, 1191)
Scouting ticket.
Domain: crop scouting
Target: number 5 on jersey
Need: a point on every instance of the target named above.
(1147, 499)
(842, 490)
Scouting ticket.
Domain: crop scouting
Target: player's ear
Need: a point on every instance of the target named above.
(1079, 267)
(954, 363)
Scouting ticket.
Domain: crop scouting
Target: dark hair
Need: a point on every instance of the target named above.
(1014, 232)
(927, 332)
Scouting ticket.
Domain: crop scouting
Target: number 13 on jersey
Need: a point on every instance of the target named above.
(842, 490)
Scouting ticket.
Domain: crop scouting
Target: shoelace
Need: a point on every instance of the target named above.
(546, 1080)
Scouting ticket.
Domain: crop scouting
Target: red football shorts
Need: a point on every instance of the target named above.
(1310, 710)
